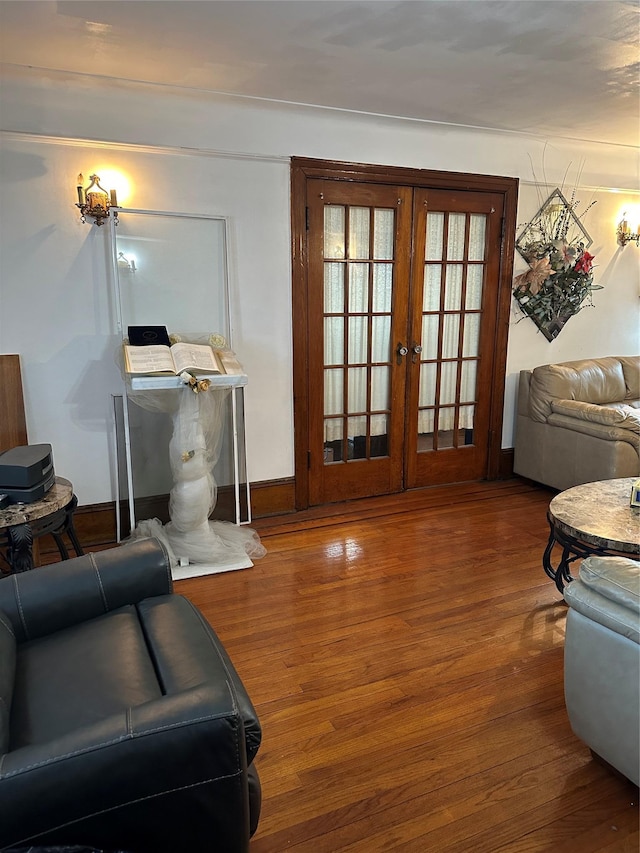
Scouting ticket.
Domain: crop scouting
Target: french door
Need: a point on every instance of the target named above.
(396, 319)
(358, 308)
(453, 330)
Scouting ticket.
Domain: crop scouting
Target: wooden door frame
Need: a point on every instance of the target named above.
(303, 169)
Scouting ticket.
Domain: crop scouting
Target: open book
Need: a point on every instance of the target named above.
(195, 358)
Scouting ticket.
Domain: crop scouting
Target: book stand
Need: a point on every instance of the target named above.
(166, 245)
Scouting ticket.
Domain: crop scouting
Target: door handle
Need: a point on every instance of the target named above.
(416, 349)
(401, 351)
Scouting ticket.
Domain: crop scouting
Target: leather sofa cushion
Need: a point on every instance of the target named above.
(597, 380)
(620, 416)
(631, 369)
(608, 591)
(626, 405)
(87, 673)
(80, 676)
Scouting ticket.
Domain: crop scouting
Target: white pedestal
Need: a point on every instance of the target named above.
(236, 381)
(196, 570)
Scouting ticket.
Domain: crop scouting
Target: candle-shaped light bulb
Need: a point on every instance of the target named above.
(80, 182)
(114, 200)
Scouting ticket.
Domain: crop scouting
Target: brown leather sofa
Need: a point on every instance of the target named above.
(123, 723)
(579, 421)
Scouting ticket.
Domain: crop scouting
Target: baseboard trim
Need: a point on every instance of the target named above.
(505, 464)
(96, 523)
(273, 497)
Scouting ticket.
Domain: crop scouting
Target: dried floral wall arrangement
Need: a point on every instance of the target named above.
(559, 281)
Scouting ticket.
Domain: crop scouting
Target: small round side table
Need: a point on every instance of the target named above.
(21, 523)
(593, 518)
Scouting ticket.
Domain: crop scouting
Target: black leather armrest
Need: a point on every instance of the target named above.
(113, 778)
(187, 652)
(51, 598)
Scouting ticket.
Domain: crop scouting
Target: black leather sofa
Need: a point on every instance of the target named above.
(123, 723)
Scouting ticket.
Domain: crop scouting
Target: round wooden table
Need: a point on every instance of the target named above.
(594, 518)
(21, 523)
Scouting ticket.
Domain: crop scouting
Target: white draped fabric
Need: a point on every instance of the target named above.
(454, 313)
(193, 451)
(357, 285)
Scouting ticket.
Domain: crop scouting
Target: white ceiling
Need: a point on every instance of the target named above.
(551, 67)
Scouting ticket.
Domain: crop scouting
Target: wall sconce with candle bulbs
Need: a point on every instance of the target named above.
(126, 265)
(95, 201)
(625, 234)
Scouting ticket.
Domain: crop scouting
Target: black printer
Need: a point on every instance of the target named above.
(26, 473)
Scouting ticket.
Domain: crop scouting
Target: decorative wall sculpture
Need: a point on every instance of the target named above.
(559, 281)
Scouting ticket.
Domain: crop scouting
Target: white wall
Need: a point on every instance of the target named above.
(229, 157)
(610, 328)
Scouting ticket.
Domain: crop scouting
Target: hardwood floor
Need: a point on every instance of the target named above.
(405, 656)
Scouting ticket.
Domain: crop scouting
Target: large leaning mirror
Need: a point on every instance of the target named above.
(172, 270)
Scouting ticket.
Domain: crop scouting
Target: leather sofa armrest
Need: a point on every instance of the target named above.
(606, 433)
(123, 767)
(7, 677)
(607, 590)
(53, 597)
(195, 656)
(615, 579)
(524, 389)
(623, 416)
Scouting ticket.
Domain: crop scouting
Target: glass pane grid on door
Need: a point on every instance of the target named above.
(454, 270)
(358, 275)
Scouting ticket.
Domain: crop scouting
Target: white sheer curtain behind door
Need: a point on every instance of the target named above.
(452, 299)
(358, 274)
